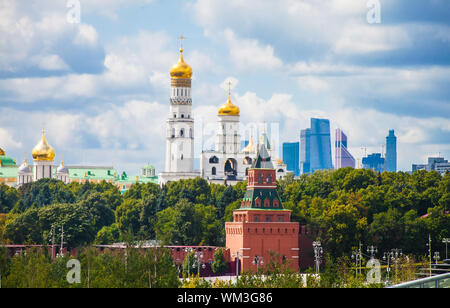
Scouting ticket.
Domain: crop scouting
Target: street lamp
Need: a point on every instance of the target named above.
(372, 250)
(188, 251)
(317, 254)
(436, 256)
(356, 254)
(396, 254)
(258, 261)
(199, 255)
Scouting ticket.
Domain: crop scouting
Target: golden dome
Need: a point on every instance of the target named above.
(229, 108)
(2, 152)
(181, 69)
(42, 150)
(250, 148)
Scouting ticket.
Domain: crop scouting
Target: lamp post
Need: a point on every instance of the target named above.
(188, 251)
(396, 254)
(372, 250)
(387, 256)
(446, 241)
(258, 260)
(198, 256)
(436, 256)
(429, 250)
(356, 254)
(317, 254)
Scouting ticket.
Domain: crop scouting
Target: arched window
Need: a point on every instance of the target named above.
(214, 160)
(213, 171)
(181, 156)
(173, 132)
(276, 203)
(182, 132)
(182, 116)
(190, 132)
(267, 202)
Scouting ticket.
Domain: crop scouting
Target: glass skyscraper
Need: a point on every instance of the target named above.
(374, 162)
(391, 152)
(342, 157)
(291, 157)
(315, 146)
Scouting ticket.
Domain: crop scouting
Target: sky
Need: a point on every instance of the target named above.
(98, 81)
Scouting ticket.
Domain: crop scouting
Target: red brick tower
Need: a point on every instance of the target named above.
(261, 225)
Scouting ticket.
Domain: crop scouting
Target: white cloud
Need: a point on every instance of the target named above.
(248, 54)
(7, 141)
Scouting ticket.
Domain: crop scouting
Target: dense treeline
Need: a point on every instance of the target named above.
(346, 206)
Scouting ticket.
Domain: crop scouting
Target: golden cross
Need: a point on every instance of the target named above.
(229, 88)
(181, 42)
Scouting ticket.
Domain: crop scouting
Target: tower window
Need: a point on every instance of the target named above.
(182, 116)
(182, 132)
(213, 171)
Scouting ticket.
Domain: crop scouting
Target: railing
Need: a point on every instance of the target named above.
(438, 281)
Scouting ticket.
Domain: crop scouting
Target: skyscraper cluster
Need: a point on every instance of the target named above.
(313, 152)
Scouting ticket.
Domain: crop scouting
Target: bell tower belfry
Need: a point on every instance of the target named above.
(179, 125)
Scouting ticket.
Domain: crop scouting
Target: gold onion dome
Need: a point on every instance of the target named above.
(229, 108)
(181, 69)
(42, 150)
(250, 148)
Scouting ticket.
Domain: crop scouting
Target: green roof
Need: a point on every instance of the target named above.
(92, 173)
(8, 172)
(6, 161)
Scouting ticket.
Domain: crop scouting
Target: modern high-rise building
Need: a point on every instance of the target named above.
(374, 162)
(438, 164)
(391, 152)
(315, 146)
(291, 157)
(342, 157)
(305, 150)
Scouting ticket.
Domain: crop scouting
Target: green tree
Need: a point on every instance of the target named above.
(8, 198)
(219, 266)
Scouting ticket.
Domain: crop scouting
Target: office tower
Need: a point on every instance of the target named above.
(305, 150)
(374, 162)
(315, 146)
(291, 157)
(391, 152)
(342, 156)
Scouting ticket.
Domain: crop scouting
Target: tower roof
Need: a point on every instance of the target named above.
(229, 108)
(263, 160)
(43, 151)
(181, 69)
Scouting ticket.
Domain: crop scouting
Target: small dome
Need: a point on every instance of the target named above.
(62, 168)
(43, 151)
(229, 108)
(2, 153)
(24, 168)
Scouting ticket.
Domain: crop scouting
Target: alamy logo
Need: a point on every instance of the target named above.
(374, 13)
(374, 274)
(73, 276)
(74, 13)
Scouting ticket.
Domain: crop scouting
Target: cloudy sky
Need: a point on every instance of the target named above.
(100, 86)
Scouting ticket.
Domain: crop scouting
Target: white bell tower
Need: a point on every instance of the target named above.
(179, 125)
